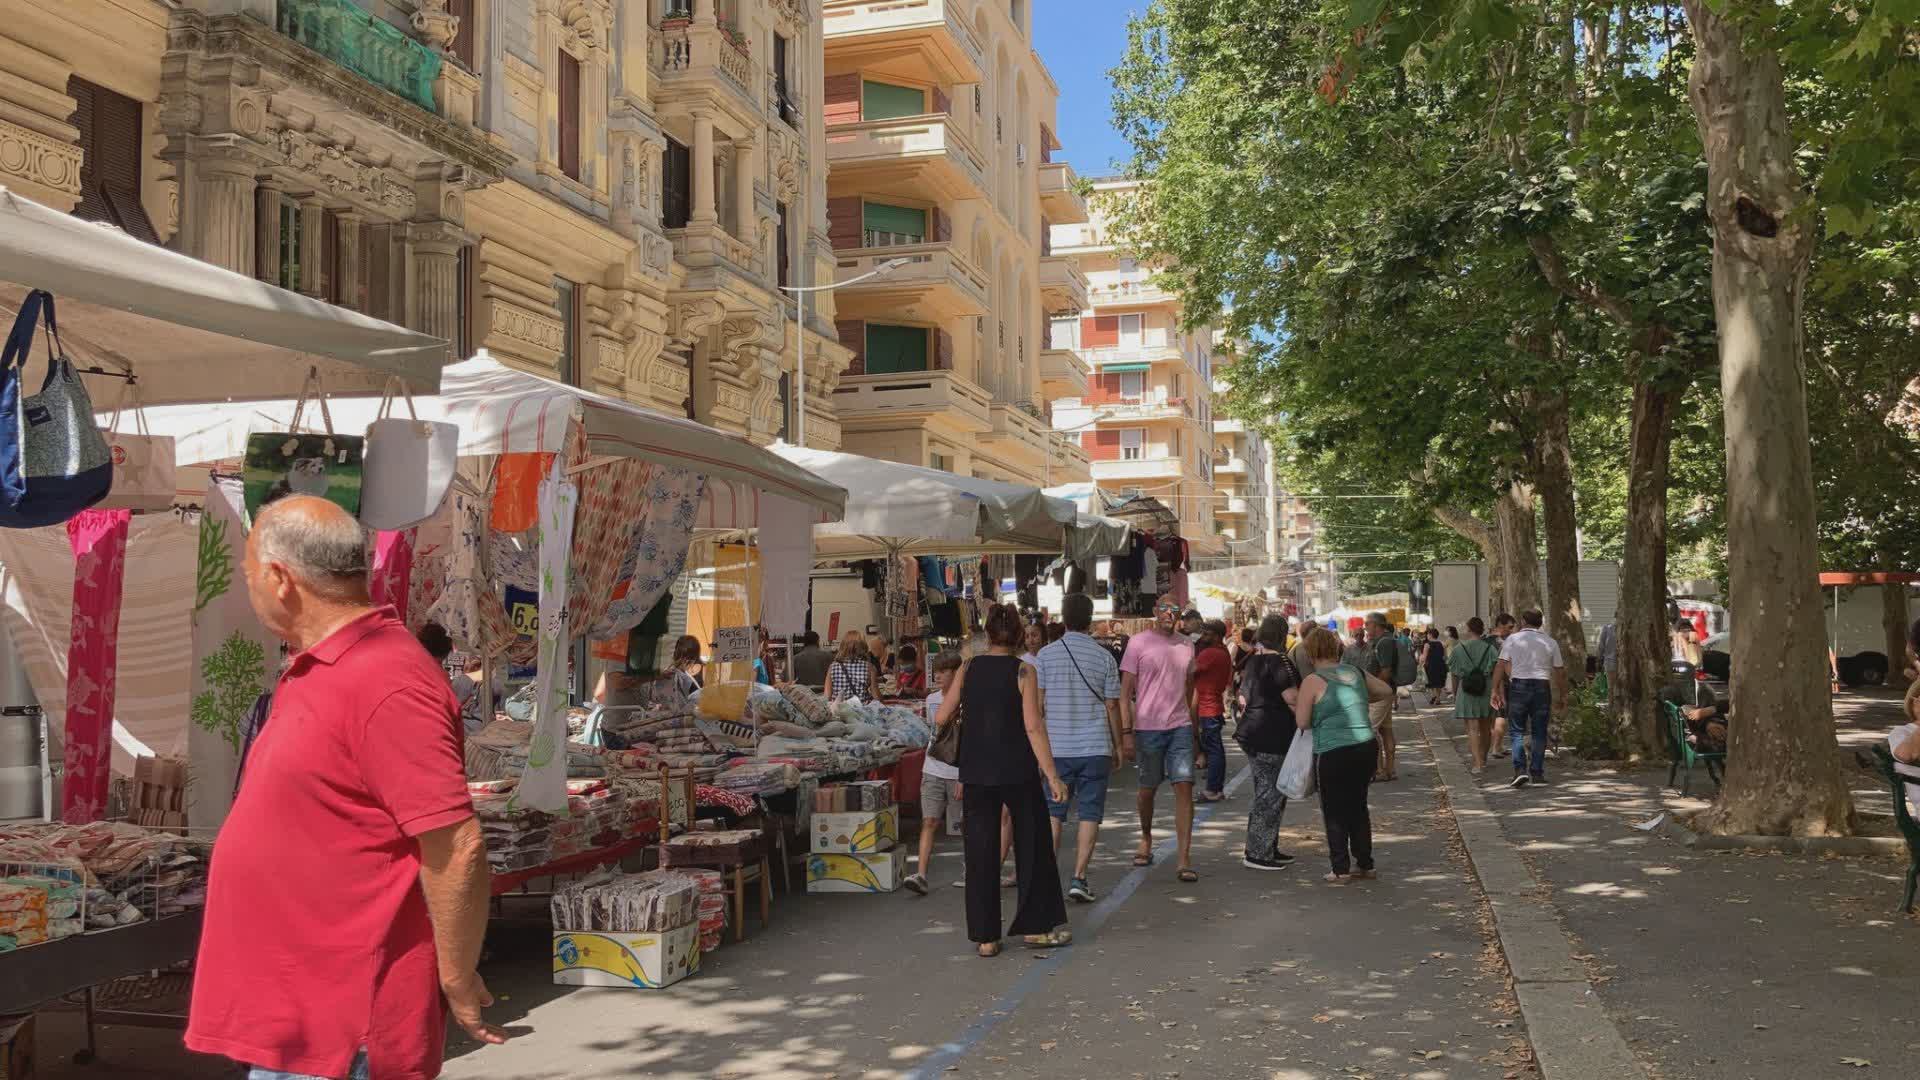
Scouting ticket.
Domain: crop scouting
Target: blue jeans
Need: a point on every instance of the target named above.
(1215, 747)
(358, 1072)
(1164, 756)
(1529, 707)
(1086, 780)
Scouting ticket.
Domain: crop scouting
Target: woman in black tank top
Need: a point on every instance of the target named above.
(1003, 755)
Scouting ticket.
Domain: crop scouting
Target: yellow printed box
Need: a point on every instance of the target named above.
(642, 961)
(878, 872)
(857, 833)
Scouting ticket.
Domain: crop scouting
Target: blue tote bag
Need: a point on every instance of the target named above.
(54, 462)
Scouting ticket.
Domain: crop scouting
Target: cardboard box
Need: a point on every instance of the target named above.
(853, 797)
(633, 960)
(879, 872)
(856, 833)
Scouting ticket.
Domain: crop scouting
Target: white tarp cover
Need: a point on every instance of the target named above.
(893, 507)
(190, 330)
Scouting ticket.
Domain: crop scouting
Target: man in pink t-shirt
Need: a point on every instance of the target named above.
(1158, 728)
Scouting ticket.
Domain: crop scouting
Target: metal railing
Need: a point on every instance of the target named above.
(370, 47)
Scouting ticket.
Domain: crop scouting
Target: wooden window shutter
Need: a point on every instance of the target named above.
(569, 115)
(783, 250)
(943, 351)
(843, 222)
(843, 99)
(1100, 331)
(110, 145)
(853, 335)
(676, 186)
(463, 36)
(1105, 446)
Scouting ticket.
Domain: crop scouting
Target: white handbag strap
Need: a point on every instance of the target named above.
(386, 397)
(311, 388)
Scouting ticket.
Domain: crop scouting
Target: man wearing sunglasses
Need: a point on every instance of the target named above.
(1158, 728)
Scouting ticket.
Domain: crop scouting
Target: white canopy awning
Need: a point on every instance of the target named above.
(894, 508)
(501, 410)
(190, 330)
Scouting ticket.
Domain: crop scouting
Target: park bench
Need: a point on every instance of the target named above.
(1903, 816)
(1685, 753)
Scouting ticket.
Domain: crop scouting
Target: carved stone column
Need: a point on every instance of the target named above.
(217, 209)
(348, 263)
(266, 236)
(313, 228)
(746, 169)
(704, 210)
(433, 255)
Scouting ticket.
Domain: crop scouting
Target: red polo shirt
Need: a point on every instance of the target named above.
(317, 940)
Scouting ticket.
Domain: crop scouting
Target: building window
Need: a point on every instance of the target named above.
(943, 462)
(783, 80)
(466, 303)
(568, 301)
(896, 348)
(885, 101)
(1130, 333)
(463, 34)
(783, 250)
(977, 107)
(889, 226)
(110, 138)
(786, 406)
(1133, 385)
(1133, 444)
(569, 89)
(676, 186)
(1062, 333)
(281, 218)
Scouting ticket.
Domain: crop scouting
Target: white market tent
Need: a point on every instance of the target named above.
(1094, 536)
(502, 410)
(893, 508)
(192, 331)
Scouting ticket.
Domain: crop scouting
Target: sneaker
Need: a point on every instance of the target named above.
(1279, 863)
(960, 883)
(1537, 781)
(1078, 889)
(1520, 780)
(916, 883)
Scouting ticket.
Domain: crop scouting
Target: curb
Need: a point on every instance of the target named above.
(1679, 830)
(1573, 1037)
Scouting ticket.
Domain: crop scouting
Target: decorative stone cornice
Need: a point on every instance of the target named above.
(344, 175)
(38, 159)
(527, 327)
(692, 318)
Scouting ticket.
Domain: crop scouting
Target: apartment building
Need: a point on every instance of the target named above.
(610, 192)
(1243, 480)
(1146, 417)
(942, 191)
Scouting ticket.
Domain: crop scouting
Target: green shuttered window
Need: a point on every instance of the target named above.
(896, 348)
(887, 226)
(883, 101)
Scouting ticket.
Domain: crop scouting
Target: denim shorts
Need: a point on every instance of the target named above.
(1164, 756)
(359, 1072)
(1086, 780)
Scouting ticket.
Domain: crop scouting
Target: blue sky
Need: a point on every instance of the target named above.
(1080, 40)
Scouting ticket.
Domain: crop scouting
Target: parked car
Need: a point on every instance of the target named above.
(1861, 669)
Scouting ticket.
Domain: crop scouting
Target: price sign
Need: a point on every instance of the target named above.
(523, 611)
(733, 644)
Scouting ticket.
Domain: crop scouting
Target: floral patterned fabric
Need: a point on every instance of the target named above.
(544, 784)
(99, 541)
(658, 551)
(469, 607)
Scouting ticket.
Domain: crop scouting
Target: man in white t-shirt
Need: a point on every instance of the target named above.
(939, 781)
(1529, 682)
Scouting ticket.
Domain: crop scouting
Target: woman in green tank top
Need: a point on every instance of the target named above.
(1333, 703)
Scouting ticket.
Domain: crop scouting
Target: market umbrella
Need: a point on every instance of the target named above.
(893, 508)
(192, 331)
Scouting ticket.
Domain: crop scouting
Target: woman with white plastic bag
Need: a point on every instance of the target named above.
(1333, 705)
(1266, 732)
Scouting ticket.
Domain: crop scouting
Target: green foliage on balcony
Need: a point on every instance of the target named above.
(367, 46)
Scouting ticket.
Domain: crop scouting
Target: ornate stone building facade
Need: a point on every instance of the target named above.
(611, 192)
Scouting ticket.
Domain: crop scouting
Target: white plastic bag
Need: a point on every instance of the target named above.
(1296, 773)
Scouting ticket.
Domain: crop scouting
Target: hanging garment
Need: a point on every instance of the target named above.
(786, 564)
(516, 491)
(658, 551)
(544, 784)
(932, 572)
(611, 506)
(391, 581)
(99, 541)
(1150, 584)
(468, 606)
(234, 657)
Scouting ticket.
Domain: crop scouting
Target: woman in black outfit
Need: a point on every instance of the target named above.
(1265, 732)
(1003, 754)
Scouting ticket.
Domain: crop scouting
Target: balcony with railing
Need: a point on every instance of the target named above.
(1114, 408)
(931, 36)
(924, 157)
(1060, 198)
(1068, 461)
(1063, 374)
(1158, 466)
(1063, 288)
(1018, 432)
(904, 397)
(691, 57)
(364, 44)
(1132, 354)
(1235, 506)
(1229, 465)
(936, 281)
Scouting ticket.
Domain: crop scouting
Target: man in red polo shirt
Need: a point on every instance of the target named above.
(349, 885)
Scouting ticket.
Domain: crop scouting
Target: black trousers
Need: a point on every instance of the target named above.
(1344, 776)
(1042, 906)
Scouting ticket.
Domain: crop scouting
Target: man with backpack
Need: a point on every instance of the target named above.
(1472, 663)
(1393, 664)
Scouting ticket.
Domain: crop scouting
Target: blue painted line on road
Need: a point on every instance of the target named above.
(950, 1053)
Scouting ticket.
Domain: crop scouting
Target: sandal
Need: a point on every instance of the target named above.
(1187, 875)
(1051, 940)
(989, 950)
(1142, 860)
(1366, 875)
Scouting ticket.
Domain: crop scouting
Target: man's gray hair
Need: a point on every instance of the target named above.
(326, 551)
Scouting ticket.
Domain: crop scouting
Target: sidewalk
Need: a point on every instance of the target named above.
(1717, 964)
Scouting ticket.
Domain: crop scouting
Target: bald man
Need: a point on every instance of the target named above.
(348, 890)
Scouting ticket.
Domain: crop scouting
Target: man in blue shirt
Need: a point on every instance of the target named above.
(1080, 698)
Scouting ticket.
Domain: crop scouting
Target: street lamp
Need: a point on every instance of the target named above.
(800, 340)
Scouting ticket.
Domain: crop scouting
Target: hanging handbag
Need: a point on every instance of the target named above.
(408, 466)
(143, 469)
(283, 463)
(53, 461)
(946, 742)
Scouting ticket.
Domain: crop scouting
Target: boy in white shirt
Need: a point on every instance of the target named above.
(939, 781)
